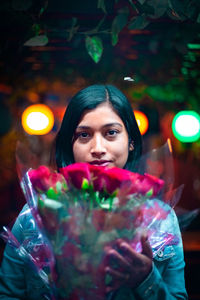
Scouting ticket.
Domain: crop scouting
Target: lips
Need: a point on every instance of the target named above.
(102, 163)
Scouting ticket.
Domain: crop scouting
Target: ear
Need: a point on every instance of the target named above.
(131, 146)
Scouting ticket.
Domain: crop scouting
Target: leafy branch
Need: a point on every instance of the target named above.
(129, 14)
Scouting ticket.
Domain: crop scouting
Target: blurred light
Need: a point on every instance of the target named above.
(142, 121)
(194, 46)
(186, 126)
(129, 78)
(32, 97)
(169, 145)
(37, 119)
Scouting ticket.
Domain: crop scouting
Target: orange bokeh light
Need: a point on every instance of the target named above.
(37, 119)
(142, 121)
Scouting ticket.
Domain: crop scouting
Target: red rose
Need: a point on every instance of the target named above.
(143, 184)
(97, 180)
(108, 179)
(114, 177)
(154, 182)
(75, 173)
(42, 179)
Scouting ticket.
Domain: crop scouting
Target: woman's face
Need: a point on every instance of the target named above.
(101, 138)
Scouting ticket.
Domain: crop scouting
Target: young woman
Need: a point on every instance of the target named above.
(99, 128)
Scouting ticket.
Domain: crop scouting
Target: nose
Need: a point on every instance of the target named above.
(97, 146)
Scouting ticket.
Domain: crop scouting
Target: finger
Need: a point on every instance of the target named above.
(146, 247)
(119, 259)
(117, 275)
(118, 278)
(129, 252)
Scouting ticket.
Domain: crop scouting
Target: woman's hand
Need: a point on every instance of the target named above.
(130, 268)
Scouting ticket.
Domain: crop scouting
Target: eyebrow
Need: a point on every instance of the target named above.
(104, 126)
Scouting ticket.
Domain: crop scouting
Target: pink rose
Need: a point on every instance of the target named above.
(40, 178)
(153, 182)
(109, 179)
(143, 184)
(75, 173)
(43, 179)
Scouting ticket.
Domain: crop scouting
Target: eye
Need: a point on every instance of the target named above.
(112, 132)
(82, 135)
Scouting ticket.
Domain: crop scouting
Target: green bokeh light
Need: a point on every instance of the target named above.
(186, 126)
(194, 46)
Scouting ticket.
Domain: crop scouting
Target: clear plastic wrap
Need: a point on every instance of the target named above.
(73, 216)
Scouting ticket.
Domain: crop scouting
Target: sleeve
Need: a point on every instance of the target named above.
(18, 279)
(12, 277)
(166, 281)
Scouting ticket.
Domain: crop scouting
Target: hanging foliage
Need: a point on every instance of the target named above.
(38, 40)
(132, 15)
(118, 24)
(94, 47)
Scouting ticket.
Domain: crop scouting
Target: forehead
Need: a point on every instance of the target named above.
(103, 113)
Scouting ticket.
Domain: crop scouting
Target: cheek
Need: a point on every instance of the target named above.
(79, 152)
(121, 153)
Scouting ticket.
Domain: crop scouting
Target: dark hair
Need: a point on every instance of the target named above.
(87, 99)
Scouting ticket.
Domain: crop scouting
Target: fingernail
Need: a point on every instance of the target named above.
(123, 246)
(145, 237)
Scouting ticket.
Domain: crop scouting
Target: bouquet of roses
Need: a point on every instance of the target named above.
(81, 210)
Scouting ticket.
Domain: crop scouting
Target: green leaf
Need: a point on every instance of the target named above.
(141, 1)
(21, 5)
(133, 5)
(114, 39)
(60, 186)
(179, 7)
(40, 203)
(120, 20)
(50, 203)
(39, 40)
(159, 8)
(43, 8)
(85, 184)
(139, 22)
(51, 194)
(118, 24)
(191, 10)
(94, 47)
(149, 193)
(198, 19)
(101, 5)
(36, 29)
